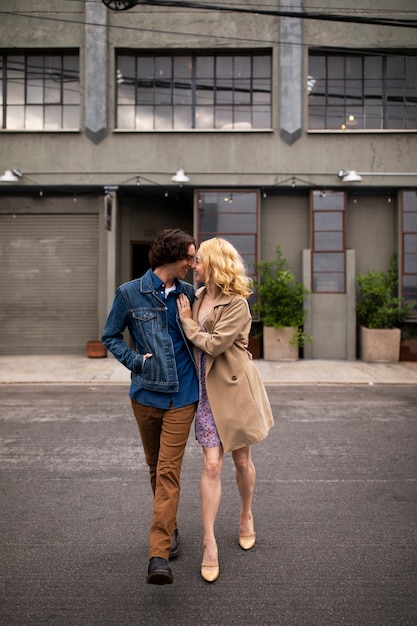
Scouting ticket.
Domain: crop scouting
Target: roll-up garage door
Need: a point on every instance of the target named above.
(48, 283)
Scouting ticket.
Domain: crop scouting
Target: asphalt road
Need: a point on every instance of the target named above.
(335, 514)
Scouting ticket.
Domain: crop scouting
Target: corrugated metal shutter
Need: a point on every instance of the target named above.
(48, 283)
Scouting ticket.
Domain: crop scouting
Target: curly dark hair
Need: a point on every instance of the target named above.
(171, 245)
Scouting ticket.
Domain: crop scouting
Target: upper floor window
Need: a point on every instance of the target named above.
(362, 91)
(193, 91)
(409, 236)
(328, 245)
(40, 91)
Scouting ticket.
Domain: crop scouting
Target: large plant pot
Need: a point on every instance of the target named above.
(380, 345)
(277, 346)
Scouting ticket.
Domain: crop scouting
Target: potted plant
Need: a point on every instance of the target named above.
(280, 307)
(380, 313)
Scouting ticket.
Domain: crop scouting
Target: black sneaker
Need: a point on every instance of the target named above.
(159, 572)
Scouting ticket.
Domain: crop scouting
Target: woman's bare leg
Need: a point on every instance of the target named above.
(210, 493)
(245, 478)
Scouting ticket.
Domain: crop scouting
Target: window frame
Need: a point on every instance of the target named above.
(222, 102)
(316, 249)
(405, 252)
(353, 113)
(57, 99)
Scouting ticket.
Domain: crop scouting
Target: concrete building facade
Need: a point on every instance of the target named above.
(283, 129)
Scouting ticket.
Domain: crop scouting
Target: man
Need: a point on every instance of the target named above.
(164, 383)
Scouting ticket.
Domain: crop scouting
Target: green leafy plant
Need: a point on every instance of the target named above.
(280, 297)
(378, 305)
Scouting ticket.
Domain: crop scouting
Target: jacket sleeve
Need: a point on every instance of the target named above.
(112, 337)
(229, 322)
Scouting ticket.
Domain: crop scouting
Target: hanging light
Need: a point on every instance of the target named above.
(180, 177)
(349, 176)
(11, 176)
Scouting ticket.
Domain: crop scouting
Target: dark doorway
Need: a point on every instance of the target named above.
(139, 258)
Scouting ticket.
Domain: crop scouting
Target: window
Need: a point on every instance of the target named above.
(362, 91)
(194, 91)
(40, 91)
(232, 215)
(409, 234)
(328, 247)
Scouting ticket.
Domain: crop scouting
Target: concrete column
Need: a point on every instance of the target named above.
(291, 74)
(95, 71)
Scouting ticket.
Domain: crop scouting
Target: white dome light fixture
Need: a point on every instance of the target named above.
(350, 176)
(11, 176)
(180, 177)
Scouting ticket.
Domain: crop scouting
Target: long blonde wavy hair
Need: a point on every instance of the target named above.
(223, 265)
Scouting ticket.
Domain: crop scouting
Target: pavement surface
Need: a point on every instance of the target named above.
(82, 369)
(334, 508)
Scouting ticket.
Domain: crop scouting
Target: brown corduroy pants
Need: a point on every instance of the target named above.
(164, 434)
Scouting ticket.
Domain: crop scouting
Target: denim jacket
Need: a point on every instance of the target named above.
(138, 307)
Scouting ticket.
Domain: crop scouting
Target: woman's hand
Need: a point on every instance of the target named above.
(184, 307)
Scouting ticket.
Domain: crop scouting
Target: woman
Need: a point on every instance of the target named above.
(233, 411)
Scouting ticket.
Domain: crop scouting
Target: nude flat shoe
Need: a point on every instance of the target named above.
(210, 573)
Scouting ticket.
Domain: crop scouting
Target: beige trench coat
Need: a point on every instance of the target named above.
(236, 393)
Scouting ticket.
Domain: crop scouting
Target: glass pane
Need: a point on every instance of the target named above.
(411, 116)
(243, 118)
(15, 80)
(205, 67)
(126, 117)
(71, 117)
(333, 283)
(242, 92)
(34, 91)
(34, 117)
(204, 117)
(163, 67)
(53, 79)
(332, 200)
(328, 241)
(223, 117)
(125, 69)
(373, 68)
(336, 89)
(53, 116)
(163, 117)
(145, 92)
(261, 66)
(163, 92)
(126, 94)
(182, 67)
(395, 116)
(182, 93)
(336, 118)
(410, 263)
(182, 117)
(317, 66)
(261, 91)
(227, 223)
(15, 117)
(353, 67)
(410, 222)
(145, 67)
(204, 93)
(242, 67)
(144, 118)
(410, 243)
(224, 67)
(373, 116)
(224, 91)
(410, 200)
(328, 220)
(335, 67)
(261, 117)
(328, 261)
(71, 79)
